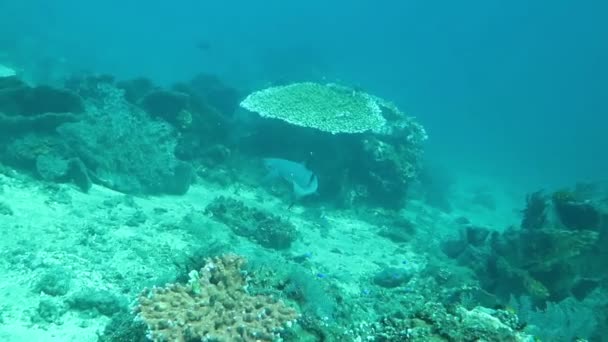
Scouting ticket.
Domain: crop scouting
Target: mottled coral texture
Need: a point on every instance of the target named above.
(218, 308)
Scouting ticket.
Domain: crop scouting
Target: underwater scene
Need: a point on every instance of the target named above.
(340, 171)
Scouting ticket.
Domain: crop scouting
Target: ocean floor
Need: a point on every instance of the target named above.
(70, 260)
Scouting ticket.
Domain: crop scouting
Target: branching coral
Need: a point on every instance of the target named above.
(213, 306)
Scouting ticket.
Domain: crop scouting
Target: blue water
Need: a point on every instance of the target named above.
(516, 89)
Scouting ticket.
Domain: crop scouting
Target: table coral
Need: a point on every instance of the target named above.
(330, 108)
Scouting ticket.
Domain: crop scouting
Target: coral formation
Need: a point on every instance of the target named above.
(568, 320)
(363, 148)
(214, 306)
(199, 110)
(260, 226)
(428, 313)
(545, 259)
(123, 149)
(329, 108)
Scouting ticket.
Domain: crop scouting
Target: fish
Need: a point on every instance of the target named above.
(304, 181)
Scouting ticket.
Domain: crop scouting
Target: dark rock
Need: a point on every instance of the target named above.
(258, 225)
(138, 218)
(183, 176)
(453, 248)
(584, 287)
(135, 89)
(535, 213)
(17, 98)
(124, 327)
(578, 215)
(167, 105)
(5, 209)
(476, 235)
(87, 86)
(11, 83)
(49, 311)
(474, 258)
(395, 227)
(11, 125)
(55, 282)
(392, 277)
(462, 220)
(51, 167)
(101, 301)
(78, 173)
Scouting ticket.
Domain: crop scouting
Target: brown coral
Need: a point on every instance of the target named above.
(213, 306)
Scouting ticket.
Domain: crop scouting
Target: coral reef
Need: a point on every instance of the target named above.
(213, 306)
(434, 323)
(363, 273)
(364, 149)
(199, 110)
(568, 320)
(124, 149)
(262, 227)
(546, 259)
